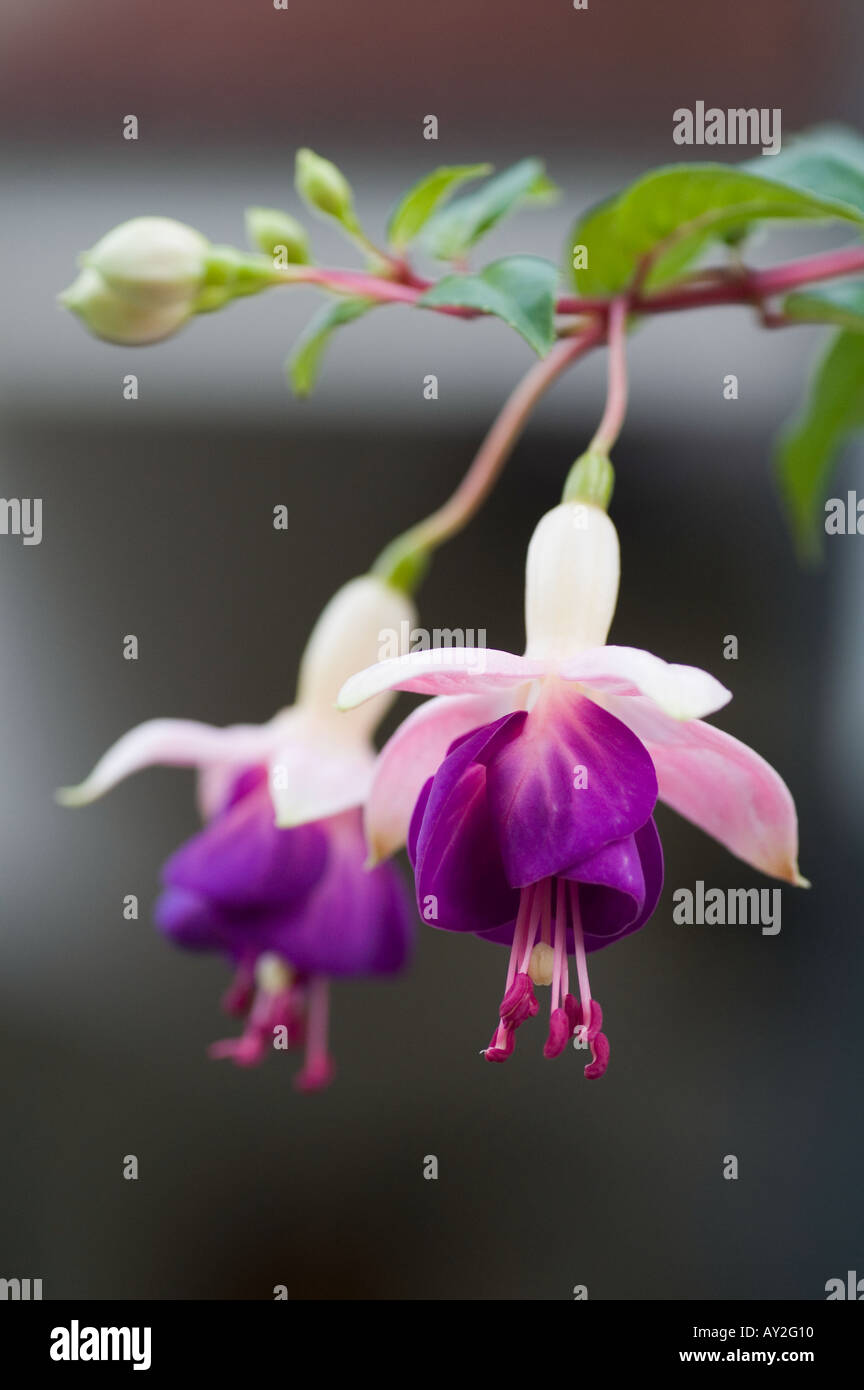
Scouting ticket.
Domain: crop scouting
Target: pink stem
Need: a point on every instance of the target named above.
(367, 286)
(616, 397)
(500, 441)
(738, 288)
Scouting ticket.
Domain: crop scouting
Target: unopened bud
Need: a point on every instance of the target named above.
(324, 187)
(116, 318)
(278, 235)
(151, 260)
(145, 278)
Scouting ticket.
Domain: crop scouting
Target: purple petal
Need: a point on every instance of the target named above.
(459, 873)
(355, 921)
(544, 819)
(241, 861)
(619, 888)
(196, 923)
(618, 891)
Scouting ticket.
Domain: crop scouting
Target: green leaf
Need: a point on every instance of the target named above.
(518, 289)
(824, 160)
(418, 204)
(833, 411)
(842, 304)
(304, 363)
(688, 205)
(454, 230)
(543, 191)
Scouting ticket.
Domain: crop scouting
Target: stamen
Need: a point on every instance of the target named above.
(589, 1019)
(272, 1008)
(559, 1033)
(245, 1051)
(560, 943)
(533, 923)
(546, 928)
(502, 1044)
(519, 933)
(600, 1051)
(560, 1024)
(518, 1003)
(238, 996)
(318, 1069)
(581, 957)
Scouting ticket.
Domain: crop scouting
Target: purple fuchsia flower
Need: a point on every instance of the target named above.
(276, 881)
(526, 788)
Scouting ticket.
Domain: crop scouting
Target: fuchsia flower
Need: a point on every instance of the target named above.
(276, 881)
(526, 789)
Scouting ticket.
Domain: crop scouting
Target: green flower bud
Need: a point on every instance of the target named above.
(278, 235)
(591, 479)
(324, 187)
(231, 274)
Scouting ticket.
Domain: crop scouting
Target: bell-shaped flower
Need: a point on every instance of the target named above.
(276, 879)
(529, 783)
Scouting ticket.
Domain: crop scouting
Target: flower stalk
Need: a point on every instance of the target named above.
(403, 561)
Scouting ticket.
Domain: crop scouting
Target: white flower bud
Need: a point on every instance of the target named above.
(115, 318)
(152, 260)
(348, 636)
(141, 282)
(571, 581)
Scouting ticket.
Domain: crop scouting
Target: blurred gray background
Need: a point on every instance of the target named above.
(157, 521)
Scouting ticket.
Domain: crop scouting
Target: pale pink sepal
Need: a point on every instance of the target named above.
(441, 671)
(313, 776)
(682, 692)
(721, 785)
(174, 743)
(412, 755)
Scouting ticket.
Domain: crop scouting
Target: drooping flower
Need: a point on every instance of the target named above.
(276, 880)
(527, 787)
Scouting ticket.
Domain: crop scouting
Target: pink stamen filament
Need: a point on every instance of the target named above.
(536, 919)
(317, 1020)
(519, 934)
(546, 928)
(533, 923)
(581, 958)
(560, 967)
